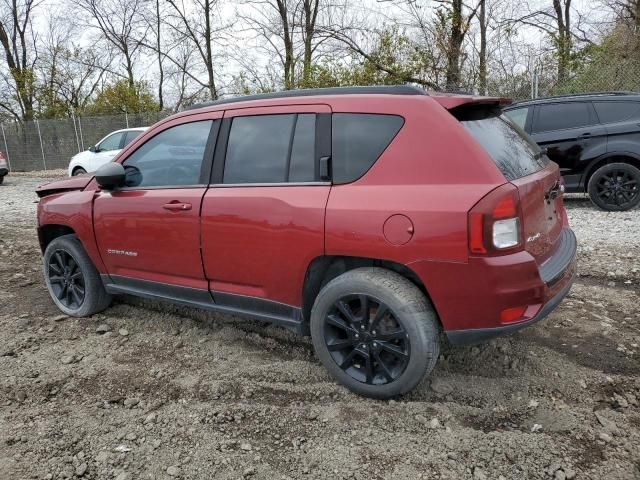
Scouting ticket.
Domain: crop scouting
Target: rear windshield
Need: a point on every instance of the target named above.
(515, 154)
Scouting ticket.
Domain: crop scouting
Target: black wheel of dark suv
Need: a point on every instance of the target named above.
(72, 280)
(615, 186)
(375, 332)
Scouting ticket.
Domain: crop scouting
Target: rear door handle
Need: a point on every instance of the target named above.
(176, 206)
(585, 135)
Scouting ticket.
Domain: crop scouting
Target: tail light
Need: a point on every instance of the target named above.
(495, 223)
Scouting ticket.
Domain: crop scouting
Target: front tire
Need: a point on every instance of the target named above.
(72, 280)
(615, 187)
(375, 332)
(78, 171)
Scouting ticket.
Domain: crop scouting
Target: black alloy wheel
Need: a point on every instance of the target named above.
(366, 340)
(618, 187)
(615, 186)
(67, 280)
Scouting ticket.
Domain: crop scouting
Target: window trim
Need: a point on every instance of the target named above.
(207, 159)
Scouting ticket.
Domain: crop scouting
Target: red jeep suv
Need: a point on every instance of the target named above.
(371, 218)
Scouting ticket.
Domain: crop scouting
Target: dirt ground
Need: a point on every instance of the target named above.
(147, 390)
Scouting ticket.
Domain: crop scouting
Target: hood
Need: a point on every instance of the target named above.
(79, 182)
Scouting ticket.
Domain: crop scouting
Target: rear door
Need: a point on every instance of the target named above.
(263, 217)
(571, 133)
(537, 179)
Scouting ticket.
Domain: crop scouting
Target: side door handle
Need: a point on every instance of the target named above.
(585, 135)
(176, 206)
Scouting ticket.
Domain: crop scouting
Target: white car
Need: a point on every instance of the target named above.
(103, 151)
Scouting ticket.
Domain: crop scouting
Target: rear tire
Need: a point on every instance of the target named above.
(615, 187)
(78, 171)
(72, 280)
(375, 332)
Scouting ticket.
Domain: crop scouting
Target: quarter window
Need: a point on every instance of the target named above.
(271, 149)
(561, 116)
(610, 112)
(112, 142)
(518, 116)
(358, 139)
(171, 158)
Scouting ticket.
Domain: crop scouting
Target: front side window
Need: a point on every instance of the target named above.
(271, 149)
(112, 142)
(561, 116)
(357, 140)
(518, 116)
(171, 158)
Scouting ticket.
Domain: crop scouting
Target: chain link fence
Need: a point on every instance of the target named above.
(50, 144)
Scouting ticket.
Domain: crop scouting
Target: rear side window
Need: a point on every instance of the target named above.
(130, 137)
(518, 116)
(512, 150)
(358, 140)
(271, 149)
(560, 116)
(610, 112)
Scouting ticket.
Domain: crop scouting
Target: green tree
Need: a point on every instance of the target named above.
(119, 97)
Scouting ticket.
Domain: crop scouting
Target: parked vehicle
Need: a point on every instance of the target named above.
(371, 218)
(595, 138)
(104, 151)
(4, 168)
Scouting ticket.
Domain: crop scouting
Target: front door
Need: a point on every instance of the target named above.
(149, 230)
(263, 217)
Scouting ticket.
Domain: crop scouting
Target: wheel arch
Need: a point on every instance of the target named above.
(613, 157)
(321, 270)
(48, 232)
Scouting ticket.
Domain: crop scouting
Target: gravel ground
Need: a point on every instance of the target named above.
(148, 390)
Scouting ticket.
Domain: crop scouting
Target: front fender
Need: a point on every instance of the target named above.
(74, 210)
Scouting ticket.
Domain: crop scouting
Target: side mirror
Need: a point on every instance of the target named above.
(110, 176)
(93, 149)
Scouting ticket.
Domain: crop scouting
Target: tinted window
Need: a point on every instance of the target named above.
(130, 136)
(303, 150)
(518, 116)
(112, 142)
(560, 116)
(171, 158)
(515, 154)
(271, 149)
(609, 112)
(358, 140)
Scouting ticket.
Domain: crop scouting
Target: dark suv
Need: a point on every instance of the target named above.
(370, 218)
(594, 138)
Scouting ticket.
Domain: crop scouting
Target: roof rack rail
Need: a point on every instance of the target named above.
(308, 92)
(587, 94)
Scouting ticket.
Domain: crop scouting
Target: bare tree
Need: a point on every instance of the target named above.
(200, 24)
(19, 44)
(121, 24)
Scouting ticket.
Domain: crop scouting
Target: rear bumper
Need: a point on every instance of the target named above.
(470, 297)
(479, 335)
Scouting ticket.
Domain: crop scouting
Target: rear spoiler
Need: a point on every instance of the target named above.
(453, 101)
